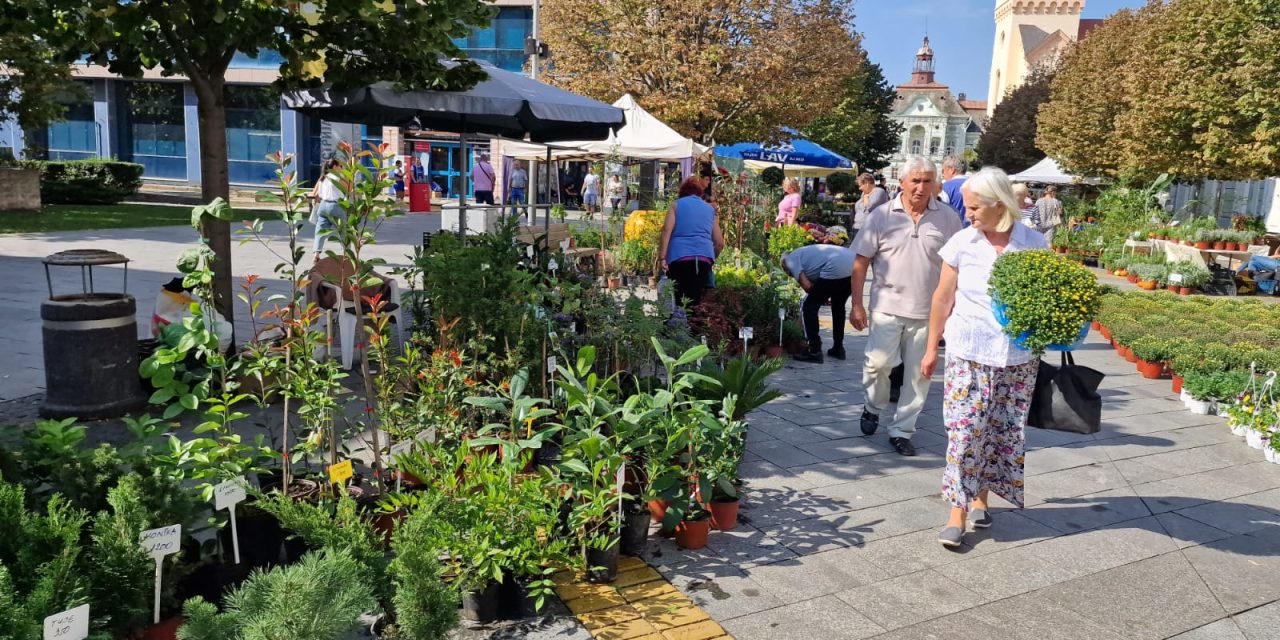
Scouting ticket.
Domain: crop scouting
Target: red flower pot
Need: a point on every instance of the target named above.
(1202, 245)
(724, 515)
(1106, 333)
(1151, 370)
(1129, 355)
(1133, 277)
(1177, 384)
(1219, 246)
(1096, 325)
(1184, 291)
(658, 509)
(692, 534)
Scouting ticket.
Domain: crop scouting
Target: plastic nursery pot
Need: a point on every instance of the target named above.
(658, 509)
(774, 351)
(165, 630)
(1184, 291)
(1132, 277)
(1219, 246)
(692, 534)
(724, 514)
(483, 605)
(1130, 356)
(635, 530)
(602, 565)
(1202, 246)
(1151, 370)
(1097, 326)
(1177, 383)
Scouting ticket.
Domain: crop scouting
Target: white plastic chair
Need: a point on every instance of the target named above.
(349, 317)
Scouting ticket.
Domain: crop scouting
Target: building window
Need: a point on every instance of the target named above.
(76, 137)
(933, 146)
(154, 128)
(502, 42)
(253, 132)
(950, 150)
(915, 147)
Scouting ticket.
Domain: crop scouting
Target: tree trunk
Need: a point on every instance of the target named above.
(214, 183)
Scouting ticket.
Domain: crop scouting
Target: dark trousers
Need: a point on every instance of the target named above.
(837, 293)
(692, 277)
(484, 197)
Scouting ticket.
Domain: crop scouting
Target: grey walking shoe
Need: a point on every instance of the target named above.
(980, 518)
(951, 536)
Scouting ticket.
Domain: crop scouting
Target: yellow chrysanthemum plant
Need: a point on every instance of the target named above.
(1043, 300)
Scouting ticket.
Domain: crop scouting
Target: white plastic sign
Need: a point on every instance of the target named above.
(226, 496)
(159, 543)
(1175, 278)
(72, 624)
(551, 364)
(747, 333)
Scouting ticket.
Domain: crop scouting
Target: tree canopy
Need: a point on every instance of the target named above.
(715, 70)
(1009, 141)
(858, 126)
(1185, 88)
(35, 89)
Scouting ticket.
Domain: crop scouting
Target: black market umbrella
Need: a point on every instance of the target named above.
(505, 104)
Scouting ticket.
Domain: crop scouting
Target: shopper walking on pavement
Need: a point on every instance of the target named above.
(823, 271)
(482, 180)
(953, 178)
(989, 380)
(899, 242)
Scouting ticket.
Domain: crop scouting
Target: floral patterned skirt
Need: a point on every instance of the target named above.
(985, 411)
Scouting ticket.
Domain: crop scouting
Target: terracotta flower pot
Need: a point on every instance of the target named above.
(1106, 333)
(658, 509)
(1201, 245)
(1151, 370)
(1130, 356)
(1184, 291)
(1147, 285)
(774, 351)
(1177, 384)
(724, 515)
(165, 630)
(1097, 326)
(692, 534)
(1219, 245)
(1133, 277)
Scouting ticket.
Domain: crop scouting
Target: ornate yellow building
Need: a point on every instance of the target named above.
(1028, 33)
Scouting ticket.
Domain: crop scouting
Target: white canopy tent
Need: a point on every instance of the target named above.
(643, 137)
(1047, 171)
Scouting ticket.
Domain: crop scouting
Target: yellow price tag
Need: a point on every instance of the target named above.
(341, 472)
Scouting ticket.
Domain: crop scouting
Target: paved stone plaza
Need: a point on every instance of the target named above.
(1163, 525)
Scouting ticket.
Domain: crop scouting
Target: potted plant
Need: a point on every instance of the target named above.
(1272, 452)
(1151, 352)
(1043, 300)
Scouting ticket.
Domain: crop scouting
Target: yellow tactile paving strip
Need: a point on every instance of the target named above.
(639, 605)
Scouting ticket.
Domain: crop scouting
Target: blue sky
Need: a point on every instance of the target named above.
(962, 33)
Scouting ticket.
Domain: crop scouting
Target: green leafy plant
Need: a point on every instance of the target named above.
(1045, 298)
(787, 238)
(319, 598)
(426, 608)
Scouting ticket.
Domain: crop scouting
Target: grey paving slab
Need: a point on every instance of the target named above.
(1108, 547)
(1186, 532)
(828, 450)
(790, 433)
(1224, 629)
(1261, 623)
(783, 454)
(957, 626)
(747, 546)
(1234, 517)
(1240, 570)
(723, 591)
(1089, 511)
(909, 599)
(818, 574)
(1078, 481)
(1007, 573)
(1124, 598)
(827, 617)
(1034, 617)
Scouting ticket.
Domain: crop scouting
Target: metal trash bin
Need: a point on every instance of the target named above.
(90, 344)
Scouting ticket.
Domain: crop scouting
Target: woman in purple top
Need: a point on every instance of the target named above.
(691, 240)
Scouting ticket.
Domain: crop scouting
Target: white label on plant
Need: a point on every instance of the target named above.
(72, 624)
(161, 542)
(228, 494)
(551, 364)
(747, 333)
(782, 313)
(529, 251)
(1175, 278)
(552, 265)
(622, 476)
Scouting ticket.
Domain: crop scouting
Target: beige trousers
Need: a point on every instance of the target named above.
(892, 340)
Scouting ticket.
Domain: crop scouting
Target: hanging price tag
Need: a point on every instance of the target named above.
(72, 624)
(341, 472)
(159, 543)
(226, 496)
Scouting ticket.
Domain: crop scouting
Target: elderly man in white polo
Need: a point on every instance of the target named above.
(899, 242)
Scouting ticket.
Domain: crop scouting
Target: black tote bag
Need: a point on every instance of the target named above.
(1066, 398)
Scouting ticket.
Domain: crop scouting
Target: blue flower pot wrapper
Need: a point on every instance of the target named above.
(1002, 316)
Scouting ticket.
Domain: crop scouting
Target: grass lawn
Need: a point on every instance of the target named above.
(79, 217)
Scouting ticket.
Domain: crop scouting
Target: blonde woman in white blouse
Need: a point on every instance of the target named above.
(989, 380)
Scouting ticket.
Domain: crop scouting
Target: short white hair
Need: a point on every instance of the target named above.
(919, 164)
(955, 163)
(993, 187)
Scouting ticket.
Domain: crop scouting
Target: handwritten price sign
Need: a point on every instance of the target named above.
(72, 624)
(159, 543)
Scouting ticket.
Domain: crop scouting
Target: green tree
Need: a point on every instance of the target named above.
(352, 42)
(858, 126)
(1010, 139)
(1184, 88)
(715, 70)
(35, 90)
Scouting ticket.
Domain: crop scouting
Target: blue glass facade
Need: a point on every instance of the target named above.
(253, 132)
(502, 42)
(75, 137)
(152, 128)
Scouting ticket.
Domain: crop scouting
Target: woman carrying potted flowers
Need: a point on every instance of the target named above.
(989, 379)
